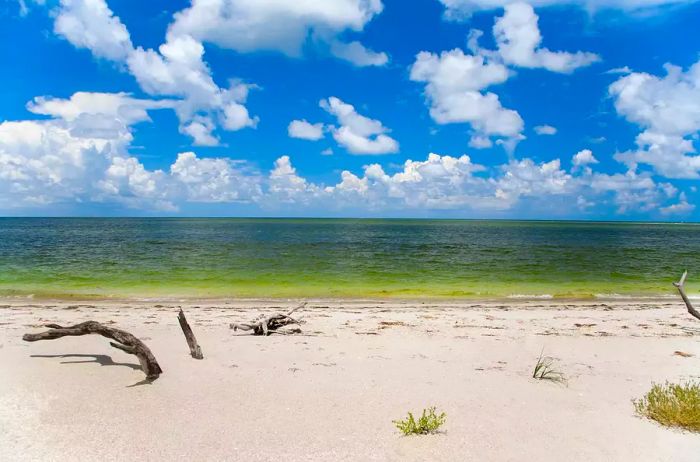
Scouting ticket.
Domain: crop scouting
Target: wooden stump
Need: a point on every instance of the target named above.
(195, 349)
(123, 341)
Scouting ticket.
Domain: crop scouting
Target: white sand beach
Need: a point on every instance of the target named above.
(332, 393)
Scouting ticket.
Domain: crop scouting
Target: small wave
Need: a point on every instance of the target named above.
(615, 296)
(537, 296)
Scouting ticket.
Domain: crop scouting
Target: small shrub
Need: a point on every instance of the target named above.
(428, 423)
(544, 370)
(673, 405)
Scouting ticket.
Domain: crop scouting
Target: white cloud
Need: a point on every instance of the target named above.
(462, 9)
(91, 24)
(453, 89)
(179, 69)
(286, 187)
(176, 69)
(455, 82)
(619, 70)
(545, 130)
(357, 133)
(81, 155)
(438, 183)
(668, 110)
(480, 142)
(526, 178)
(200, 129)
(116, 105)
(281, 25)
(518, 39)
(583, 157)
(58, 161)
(51, 161)
(305, 130)
(357, 54)
(682, 207)
(214, 180)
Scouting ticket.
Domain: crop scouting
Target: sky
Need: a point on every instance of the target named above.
(351, 108)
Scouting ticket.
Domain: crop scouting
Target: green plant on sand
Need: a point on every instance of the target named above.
(428, 423)
(544, 370)
(672, 405)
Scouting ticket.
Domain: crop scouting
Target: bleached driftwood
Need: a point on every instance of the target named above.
(123, 341)
(195, 349)
(268, 325)
(681, 290)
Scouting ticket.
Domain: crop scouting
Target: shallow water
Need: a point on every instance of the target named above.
(154, 257)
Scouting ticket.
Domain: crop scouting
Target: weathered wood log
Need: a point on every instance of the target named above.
(681, 290)
(271, 324)
(195, 349)
(124, 341)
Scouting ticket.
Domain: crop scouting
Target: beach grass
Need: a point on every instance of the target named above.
(672, 405)
(428, 423)
(544, 370)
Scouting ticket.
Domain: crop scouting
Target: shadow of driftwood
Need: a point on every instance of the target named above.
(145, 381)
(102, 360)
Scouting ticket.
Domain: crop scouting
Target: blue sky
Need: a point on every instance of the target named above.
(557, 110)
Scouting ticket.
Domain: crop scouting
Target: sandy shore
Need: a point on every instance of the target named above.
(332, 394)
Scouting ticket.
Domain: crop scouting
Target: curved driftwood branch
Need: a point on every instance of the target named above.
(681, 290)
(123, 341)
(195, 349)
(269, 325)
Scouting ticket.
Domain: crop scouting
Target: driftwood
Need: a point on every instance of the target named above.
(195, 349)
(124, 341)
(269, 325)
(679, 285)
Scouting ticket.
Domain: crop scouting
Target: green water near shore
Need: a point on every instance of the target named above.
(166, 258)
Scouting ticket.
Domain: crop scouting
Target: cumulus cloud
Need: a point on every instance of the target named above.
(281, 25)
(545, 130)
(177, 69)
(98, 115)
(44, 162)
(462, 9)
(667, 109)
(286, 187)
(518, 39)
(81, 155)
(305, 130)
(453, 87)
(357, 133)
(583, 157)
(55, 160)
(526, 178)
(214, 180)
(91, 24)
(456, 83)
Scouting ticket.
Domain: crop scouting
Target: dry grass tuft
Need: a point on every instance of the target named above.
(672, 405)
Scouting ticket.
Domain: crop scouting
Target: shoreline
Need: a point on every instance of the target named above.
(513, 299)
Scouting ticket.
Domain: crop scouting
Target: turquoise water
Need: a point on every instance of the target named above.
(115, 257)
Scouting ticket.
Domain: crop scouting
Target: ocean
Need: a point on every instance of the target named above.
(290, 258)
